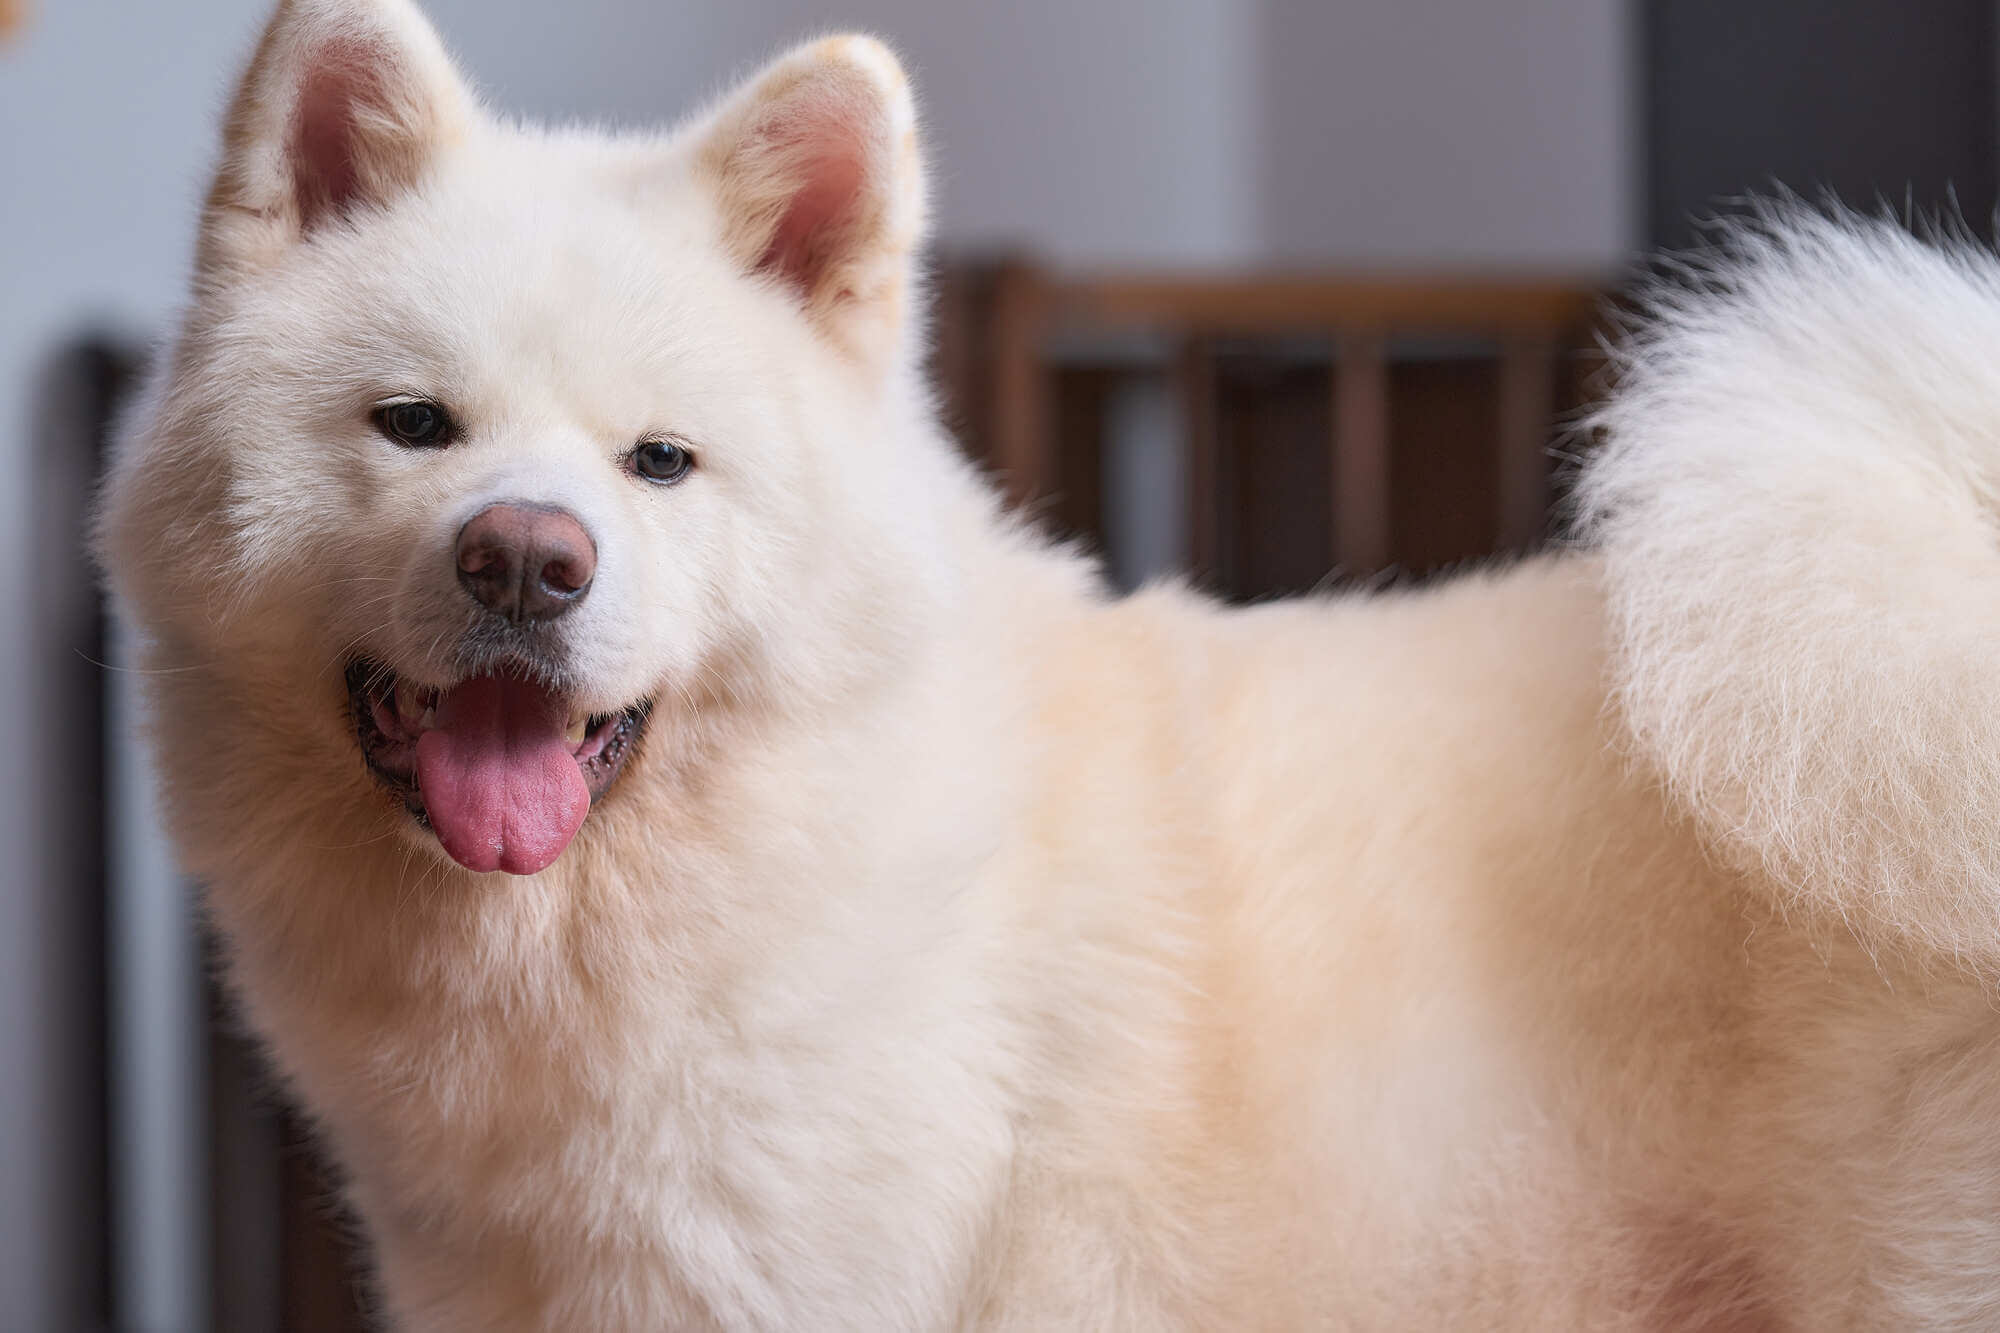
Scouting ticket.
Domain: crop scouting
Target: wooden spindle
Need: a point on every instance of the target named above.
(1527, 389)
(1207, 501)
(1360, 453)
(1022, 444)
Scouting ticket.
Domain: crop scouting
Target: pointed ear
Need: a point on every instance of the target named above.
(815, 166)
(344, 106)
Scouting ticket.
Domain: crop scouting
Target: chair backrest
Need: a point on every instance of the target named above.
(1435, 397)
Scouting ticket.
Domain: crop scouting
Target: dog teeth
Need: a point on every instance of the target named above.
(409, 701)
(579, 727)
(429, 719)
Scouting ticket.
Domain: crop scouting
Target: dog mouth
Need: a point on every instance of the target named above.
(500, 767)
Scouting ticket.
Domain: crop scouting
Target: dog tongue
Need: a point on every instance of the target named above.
(498, 777)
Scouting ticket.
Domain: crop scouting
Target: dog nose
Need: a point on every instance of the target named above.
(526, 562)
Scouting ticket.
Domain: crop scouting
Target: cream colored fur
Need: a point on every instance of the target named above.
(1608, 941)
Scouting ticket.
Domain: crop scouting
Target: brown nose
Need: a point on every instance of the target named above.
(526, 562)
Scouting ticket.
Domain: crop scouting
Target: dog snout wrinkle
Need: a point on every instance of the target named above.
(525, 563)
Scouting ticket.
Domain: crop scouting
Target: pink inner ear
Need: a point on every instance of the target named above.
(345, 77)
(827, 159)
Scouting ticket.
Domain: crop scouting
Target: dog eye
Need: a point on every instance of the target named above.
(663, 461)
(416, 424)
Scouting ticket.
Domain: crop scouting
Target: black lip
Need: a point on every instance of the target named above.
(392, 765)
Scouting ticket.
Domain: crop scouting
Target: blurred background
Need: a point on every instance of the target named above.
(1262, 289)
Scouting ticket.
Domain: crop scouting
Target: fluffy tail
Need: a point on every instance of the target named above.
(1799, 509)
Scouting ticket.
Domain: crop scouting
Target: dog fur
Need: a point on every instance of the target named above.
(1606, 941)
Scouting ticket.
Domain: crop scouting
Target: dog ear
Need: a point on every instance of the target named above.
(344, 106)
(815, 167)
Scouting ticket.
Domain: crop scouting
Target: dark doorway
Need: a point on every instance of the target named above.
(1871, 99)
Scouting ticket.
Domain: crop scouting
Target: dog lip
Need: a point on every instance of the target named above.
(388, 714)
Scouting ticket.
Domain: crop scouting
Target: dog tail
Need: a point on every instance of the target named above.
(1798, 508)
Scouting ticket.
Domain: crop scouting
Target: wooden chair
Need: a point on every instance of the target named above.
(1489, 363)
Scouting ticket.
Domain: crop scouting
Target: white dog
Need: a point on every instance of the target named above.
(897, 931)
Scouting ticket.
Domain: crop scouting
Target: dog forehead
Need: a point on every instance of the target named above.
(537, 243)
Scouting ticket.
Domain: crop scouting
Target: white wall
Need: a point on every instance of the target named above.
(1453, 133)
(1107, 130)
(1199, 132)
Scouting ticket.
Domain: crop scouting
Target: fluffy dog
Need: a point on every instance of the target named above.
(704, 866)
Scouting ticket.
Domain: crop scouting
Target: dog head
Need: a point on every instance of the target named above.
(499, 445)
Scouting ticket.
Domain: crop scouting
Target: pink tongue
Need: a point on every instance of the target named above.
(498, 778)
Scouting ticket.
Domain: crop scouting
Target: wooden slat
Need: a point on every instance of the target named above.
(1022, 441)
(1307, 304)
(960, 357)
(1195, 378)
(1360, 454)
(320, 1262)
(1527, 388)
(1077, 407)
